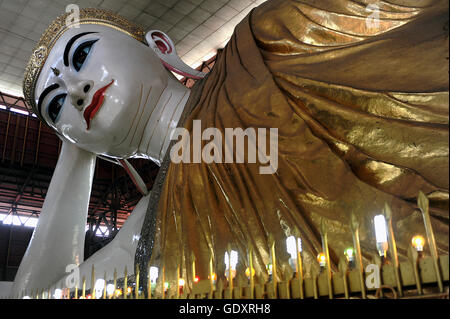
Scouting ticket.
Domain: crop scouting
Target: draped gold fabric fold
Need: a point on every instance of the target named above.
(362, 118)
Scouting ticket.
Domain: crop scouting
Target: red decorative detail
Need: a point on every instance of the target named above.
(96, 103)
(164, 47)
(161, 46)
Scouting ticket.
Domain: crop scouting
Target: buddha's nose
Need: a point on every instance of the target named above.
(79, 93)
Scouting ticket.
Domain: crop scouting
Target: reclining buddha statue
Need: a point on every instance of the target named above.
(361, 117)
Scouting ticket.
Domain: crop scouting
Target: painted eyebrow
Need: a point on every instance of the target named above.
(69, 46)
(44, 94)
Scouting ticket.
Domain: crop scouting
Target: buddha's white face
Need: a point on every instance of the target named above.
(96, 98)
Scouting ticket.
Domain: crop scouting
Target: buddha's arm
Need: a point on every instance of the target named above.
(58, 239)
(115, 256)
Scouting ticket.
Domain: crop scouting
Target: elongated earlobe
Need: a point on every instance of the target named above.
(164, 48)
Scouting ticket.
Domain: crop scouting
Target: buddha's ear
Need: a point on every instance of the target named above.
(164, 48)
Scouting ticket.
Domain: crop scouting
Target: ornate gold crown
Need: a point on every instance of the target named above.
(54, 32)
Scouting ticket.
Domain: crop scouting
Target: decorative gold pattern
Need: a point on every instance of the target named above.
(54, 32)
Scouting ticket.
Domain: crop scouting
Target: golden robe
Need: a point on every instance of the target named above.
(361, 108)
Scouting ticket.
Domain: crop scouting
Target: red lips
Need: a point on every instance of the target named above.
(96, 103)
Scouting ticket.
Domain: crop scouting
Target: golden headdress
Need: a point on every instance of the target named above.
(54, 32)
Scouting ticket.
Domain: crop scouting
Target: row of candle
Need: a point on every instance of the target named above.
(384, 238)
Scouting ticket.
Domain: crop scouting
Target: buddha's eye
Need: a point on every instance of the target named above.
(55, 106)
(81, 53)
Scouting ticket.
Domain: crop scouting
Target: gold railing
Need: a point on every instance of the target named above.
(419, 277)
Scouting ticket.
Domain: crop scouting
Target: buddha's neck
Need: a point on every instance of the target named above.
(162, 120)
